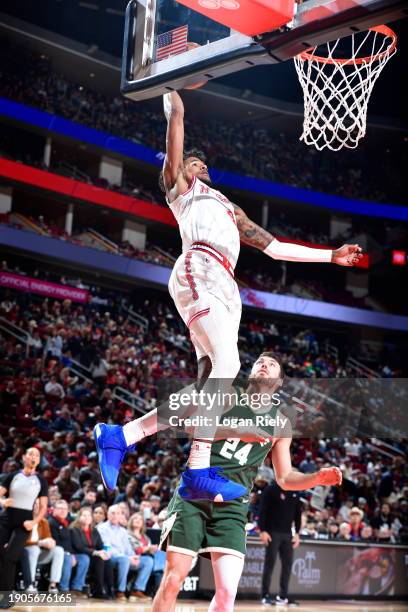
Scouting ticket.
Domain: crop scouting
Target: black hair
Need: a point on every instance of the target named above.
(194, 153)
(186, 155)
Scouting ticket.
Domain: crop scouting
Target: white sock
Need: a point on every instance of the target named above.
(133, 432)
(141, 428)
(200, 454)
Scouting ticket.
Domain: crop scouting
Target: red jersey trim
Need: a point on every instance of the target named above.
(198, 315)
(210, 250)
(193, 182)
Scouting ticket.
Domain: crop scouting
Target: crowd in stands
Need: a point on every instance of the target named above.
(67, 379)
(255, 278)
(124, 248)
(49, 403)
(237, 147)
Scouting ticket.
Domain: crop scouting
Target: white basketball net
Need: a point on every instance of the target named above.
(336, 91)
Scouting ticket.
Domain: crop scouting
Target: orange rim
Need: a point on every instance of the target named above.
(381, 29)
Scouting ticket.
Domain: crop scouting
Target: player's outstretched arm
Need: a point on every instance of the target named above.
(259, 238)
(173, 162)
(291, 480)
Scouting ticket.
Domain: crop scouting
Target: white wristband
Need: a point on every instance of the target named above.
(296, 252)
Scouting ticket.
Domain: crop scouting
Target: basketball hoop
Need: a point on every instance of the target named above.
(336, 91)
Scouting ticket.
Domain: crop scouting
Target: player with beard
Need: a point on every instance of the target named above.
(207, 298)
(218, 530)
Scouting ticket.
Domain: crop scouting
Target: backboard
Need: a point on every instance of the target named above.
(155, 28)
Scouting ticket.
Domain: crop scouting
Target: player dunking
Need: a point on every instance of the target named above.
(206, 295)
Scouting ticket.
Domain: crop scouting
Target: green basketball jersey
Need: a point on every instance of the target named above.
(241, 460)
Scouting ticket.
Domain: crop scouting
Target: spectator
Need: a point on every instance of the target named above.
(59, 525)
(54, 389)
(344, 533)
(73, 465)
(41, 549)
(356, 523)
(35, 344)
(308, 466)
(344, 511)
(143, 548)
(386, 485)
(367, 534)
(129, 496)
(115, 539)
(87, 543)
(54, 345)
(333, 528)
(382, 524)
(100, 371)
(81, 450)
(67, 486)
(65, 422)
(89, 498)
(124, 514)
(309, 531)
(99, 515)
(90, 472)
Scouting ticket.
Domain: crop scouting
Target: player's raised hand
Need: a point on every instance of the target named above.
(330, 476)
(347, 255)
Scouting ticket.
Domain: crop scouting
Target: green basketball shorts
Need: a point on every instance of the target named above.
(202, 527)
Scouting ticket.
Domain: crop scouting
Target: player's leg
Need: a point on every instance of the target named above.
(271, 555)
(211, 339)
(177, 568)
(148, 424)
(214, 336)
(227, 570)
(114, 441)
(286, 556)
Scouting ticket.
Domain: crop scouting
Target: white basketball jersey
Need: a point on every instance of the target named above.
(205, 215)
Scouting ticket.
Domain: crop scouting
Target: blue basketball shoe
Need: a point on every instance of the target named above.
(209, 484)
(111, 446)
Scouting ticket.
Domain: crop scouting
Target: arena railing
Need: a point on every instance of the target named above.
(18, 333)
(360, 369)
(135, 402)
(136, 318)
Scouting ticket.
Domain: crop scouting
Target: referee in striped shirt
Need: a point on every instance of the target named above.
(22, 488)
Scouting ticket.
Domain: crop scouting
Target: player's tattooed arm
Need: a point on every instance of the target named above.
(250, 233)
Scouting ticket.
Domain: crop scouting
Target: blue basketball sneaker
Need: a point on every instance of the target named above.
(111, 446)
(209, 484)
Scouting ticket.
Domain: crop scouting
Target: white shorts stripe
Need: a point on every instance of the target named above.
(184, 551)
(220, 549)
